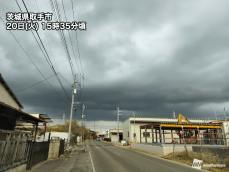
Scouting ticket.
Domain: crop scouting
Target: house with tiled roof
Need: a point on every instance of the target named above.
(10, 109)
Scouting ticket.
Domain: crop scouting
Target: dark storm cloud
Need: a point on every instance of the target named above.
(151, 57)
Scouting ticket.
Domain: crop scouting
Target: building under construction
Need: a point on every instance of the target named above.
(176, 131)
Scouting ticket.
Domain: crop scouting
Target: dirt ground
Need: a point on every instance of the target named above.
(187, 158)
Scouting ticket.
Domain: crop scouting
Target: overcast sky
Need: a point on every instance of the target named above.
(150, 57)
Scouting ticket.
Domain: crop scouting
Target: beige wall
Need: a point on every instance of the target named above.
(6, 98)
(54, 149)
(126, 129)
(160, 150)
(114, 138)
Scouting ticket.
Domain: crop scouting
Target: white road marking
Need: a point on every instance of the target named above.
(92, 162)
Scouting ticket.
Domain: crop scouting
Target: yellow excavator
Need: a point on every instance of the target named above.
(180, 118)
(191, 133)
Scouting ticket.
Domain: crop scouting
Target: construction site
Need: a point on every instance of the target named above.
(166, 135)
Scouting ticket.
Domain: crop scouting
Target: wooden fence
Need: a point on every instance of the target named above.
(14, 148)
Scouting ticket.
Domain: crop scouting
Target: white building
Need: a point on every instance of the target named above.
(112, 133)
(132, 125)
(59, 135)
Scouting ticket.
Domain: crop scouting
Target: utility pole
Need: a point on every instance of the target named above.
(70, 121)
(89, 134)
(82, 123)
(118, 122)
(134, 129)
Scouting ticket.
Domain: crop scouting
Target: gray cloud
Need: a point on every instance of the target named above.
(151, 57)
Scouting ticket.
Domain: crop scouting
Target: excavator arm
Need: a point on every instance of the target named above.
(180, 118)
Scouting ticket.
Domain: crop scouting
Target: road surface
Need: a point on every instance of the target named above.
(105, 157)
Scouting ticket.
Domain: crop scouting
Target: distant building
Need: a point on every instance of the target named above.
(112, 134)
(54, 135)
(132, 125)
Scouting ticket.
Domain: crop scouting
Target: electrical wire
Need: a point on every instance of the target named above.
(38, 97)
(64, 79)
(48, 39)
(95, 95)
(48, 60)
(33, 63)
(70, 36)
(73, 13)
(63, 110)
(33, 84)
(56, 10)
(77, 39)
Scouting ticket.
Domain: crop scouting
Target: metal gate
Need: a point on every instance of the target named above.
(39, 153)
(61, 149)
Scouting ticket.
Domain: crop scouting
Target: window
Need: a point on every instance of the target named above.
(128, 134)
(147, 134)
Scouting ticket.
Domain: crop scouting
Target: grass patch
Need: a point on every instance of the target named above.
(208, 158)
(187, 158)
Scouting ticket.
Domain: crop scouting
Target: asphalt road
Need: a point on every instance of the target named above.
(107, 157)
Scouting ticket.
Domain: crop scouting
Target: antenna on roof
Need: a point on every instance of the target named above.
(63, 117)
(174, 115)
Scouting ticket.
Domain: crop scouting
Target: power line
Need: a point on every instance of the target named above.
(33, 62)
(95, 95)
(36, 98)
(37, 83)
(48, 60)
(48, 40)
(64, 79)
(63, 110)
(34, 84)
(79, 54)
(56, 10)
(77, 38)
(55, 7)
(70, 36)
(18, 5)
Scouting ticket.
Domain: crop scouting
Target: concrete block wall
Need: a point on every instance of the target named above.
(160, 150)
(167, 150)
(54, 147)
(148, 148)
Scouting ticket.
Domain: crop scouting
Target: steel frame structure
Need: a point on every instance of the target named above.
(209, 136)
